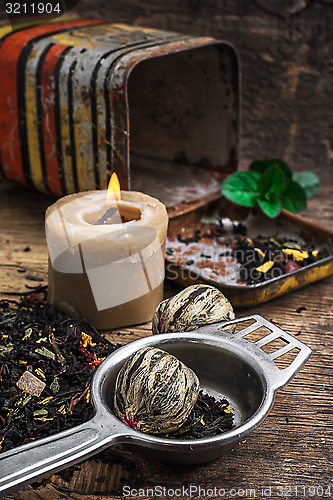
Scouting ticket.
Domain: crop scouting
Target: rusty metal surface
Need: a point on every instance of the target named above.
(89, 98)
(239, 293)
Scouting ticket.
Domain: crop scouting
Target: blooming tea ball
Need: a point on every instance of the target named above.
(193, 307)
(155, 392)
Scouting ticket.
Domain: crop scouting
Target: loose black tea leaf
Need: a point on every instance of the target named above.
(39, 345)
(265, 258)
(208, 418)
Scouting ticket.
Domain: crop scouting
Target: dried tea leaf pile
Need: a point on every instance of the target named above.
(208, 418)
(46, 364)
(263, 258)
(213, 254)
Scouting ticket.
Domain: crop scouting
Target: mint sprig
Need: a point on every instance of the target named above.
(271, 185)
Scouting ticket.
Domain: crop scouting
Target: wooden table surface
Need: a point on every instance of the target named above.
(288, 456)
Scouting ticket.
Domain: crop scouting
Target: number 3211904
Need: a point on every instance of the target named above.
(32, 8)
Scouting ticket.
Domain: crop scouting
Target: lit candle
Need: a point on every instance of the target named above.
(106, 254)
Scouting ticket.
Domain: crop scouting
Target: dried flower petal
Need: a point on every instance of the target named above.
(40, 373)
(265, 267)
(87, 340)
(296, 254)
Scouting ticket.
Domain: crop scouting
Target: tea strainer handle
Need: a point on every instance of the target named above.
(279, 377)
(35, 460)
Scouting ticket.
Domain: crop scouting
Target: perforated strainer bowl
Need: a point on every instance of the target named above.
(226, 364)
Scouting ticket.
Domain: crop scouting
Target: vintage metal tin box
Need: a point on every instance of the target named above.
(82, 99)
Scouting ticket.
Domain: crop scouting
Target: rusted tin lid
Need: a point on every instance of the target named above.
(81, 99)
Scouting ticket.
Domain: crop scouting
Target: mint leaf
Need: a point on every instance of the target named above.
(282, 165)
(270, 204)
(242, 188)
(271, 185)
(293, 197)
(258, 166)
(261, 166)
(309, 182)
(272, 180)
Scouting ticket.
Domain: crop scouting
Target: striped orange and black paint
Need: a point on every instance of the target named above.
(59, 130)
(20, 163)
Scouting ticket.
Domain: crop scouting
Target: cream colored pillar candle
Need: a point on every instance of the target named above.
(107, 270)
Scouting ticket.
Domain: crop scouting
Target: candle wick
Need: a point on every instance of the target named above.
(109, 213)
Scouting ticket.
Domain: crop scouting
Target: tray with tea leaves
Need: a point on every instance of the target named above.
(248, 256)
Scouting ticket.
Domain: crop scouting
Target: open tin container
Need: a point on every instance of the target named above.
(227, 364)
(161, 109)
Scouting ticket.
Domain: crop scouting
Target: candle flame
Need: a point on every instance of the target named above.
(113, 188)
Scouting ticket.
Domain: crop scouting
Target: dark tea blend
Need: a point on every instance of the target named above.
(208, 418)
(215, 255)
(46, 364)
